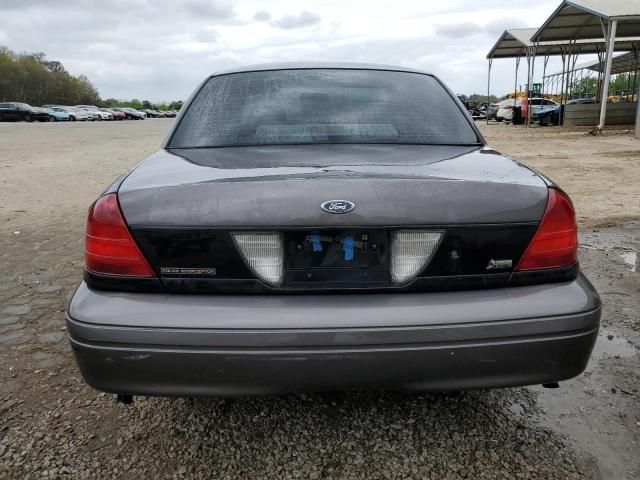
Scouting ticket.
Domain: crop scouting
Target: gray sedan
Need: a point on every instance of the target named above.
(310, 227)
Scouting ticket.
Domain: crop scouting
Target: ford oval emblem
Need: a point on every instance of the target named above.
(338, 206)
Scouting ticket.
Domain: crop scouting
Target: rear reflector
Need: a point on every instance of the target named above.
(555, 243)
(109, 247)
(411, 251)
(264, 254)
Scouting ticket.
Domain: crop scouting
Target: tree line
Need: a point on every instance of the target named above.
(32, 78)
(620, 84)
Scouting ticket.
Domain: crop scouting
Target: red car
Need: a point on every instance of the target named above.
(117, 115)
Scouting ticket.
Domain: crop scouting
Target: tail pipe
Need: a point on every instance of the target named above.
(124, 399)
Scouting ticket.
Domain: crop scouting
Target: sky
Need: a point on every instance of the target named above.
(160, 50)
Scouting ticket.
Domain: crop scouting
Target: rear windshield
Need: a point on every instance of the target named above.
(318, 106)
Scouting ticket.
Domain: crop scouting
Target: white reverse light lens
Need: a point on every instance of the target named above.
(411, 251)
(263, 253)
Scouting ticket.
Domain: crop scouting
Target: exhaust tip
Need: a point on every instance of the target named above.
(125, 399)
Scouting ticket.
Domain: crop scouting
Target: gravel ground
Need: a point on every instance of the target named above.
(52, 425)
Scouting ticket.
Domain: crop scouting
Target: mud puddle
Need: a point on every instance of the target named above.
(599, 411)
(611, 344)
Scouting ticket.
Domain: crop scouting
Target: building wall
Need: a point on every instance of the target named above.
(589, 114)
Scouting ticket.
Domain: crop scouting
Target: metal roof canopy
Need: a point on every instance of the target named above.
(514, 42)
(624, 63)
(621, 64)
(583, 19)
(576, 20)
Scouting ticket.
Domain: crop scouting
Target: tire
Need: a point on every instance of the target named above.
(99, 118)
(72, 118)
(28, 117)
(128, 117)
(52, 118)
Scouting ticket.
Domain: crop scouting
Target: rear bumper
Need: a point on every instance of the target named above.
(181, 345)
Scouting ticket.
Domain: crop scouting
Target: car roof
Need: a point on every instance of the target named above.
(316, 65)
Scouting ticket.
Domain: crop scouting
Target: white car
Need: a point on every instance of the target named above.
(76, 114)
(505, 112)
(96, 113)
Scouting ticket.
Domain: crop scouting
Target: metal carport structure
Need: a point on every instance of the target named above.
(625, 63)
(517, 43)
(576, 20)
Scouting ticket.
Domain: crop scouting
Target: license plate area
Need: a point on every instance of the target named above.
(335, 257)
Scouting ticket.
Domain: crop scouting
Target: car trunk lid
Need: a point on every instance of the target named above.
(285, 186)
(185, 206)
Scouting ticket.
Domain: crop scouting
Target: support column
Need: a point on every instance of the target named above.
(636, 88)
(544, 73)
(515, 83)
(637, 133)
(489, 88)
(527, 89)
(613, 25)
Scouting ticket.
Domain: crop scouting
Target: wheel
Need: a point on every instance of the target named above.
(52, 118)
(99, 118)
(128, 117)
(28, 117)
(72, 118)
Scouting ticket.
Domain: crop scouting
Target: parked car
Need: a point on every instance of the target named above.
(58, 114)
(241, 259)
(92, 116)
(547, 116)
(96, 112)
(536, 104)
(121, 111)
(505, 112)
(18, 111)
(41, 111)
(582, 101)
(494, 107)
(77, 114)
(552, 114)
(152, 113)
(117, 115)
(133, 114)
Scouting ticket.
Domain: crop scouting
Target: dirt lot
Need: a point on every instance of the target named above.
(54, 426)
(601, 174)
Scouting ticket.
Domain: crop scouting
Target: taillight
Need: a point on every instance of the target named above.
(109, 246)
(555, 243)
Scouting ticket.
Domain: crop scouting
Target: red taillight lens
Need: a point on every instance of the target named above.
(555, 243)
(109, 247)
